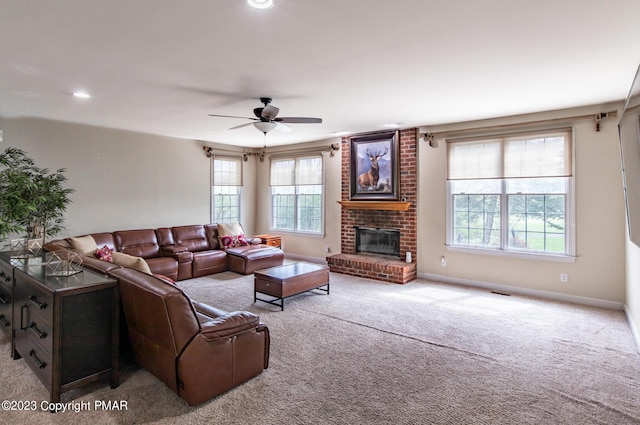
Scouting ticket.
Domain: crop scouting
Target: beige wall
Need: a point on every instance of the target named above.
(122, 180)
(598, 271)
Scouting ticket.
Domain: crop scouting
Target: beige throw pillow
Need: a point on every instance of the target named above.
(84, 245)
(126, 260)
(230, 229)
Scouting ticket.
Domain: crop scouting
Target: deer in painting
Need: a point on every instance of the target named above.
(369, 180)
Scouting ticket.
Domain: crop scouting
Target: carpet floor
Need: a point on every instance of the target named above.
(379, 353)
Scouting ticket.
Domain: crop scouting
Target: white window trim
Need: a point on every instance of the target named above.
(322, 232)
(212, 207)
(570, 232)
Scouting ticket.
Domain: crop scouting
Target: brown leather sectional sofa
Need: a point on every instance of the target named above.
(197, 350)
(180, 252)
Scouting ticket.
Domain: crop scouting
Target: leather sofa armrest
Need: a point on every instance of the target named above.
(178, 252)
(174, 249)
(229, 324)
(207, 310)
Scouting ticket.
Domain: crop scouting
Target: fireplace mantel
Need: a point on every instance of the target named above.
(375, 205)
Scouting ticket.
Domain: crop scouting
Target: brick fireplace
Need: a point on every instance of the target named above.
(389, 215)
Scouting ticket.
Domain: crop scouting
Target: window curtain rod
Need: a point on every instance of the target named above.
(332, 148)
(521, 127)
(209, 151)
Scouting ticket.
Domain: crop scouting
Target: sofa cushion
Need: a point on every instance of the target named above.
(211, 231)
(193, 237)
(84, 245)
(139, 243)
(165, 237)
(248, 259)
(130, 261)
(166, 266)
(104, 238)
(209, 262)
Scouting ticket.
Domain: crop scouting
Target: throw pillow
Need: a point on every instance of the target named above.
(126, 260)
(104, 254)
(233, 241)
(84, 245)
(230, 229)
(231, 235)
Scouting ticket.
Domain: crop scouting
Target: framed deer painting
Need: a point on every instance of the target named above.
(374, 167)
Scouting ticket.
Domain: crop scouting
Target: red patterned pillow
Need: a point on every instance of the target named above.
(104, 254)
(232, 241)
(165, 279)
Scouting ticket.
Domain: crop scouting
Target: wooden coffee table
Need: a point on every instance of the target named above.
(288, 280)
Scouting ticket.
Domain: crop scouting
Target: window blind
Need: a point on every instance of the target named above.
(515, 156)
(227, 172)
(296, 172)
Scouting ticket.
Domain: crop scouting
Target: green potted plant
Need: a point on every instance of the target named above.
(32, 199)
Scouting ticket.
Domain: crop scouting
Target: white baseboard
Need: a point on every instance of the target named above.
(594, 302)
(296, 257)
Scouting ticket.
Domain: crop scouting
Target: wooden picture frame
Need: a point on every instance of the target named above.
(374, 172)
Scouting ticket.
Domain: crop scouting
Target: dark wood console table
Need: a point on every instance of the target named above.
(66, 328)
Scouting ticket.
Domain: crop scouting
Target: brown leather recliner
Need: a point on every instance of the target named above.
(198, 351)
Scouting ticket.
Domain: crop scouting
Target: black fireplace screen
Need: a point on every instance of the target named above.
(375, 241)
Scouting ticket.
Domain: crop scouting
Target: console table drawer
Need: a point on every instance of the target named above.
(6, 297)
(40, 362)
(6, 274)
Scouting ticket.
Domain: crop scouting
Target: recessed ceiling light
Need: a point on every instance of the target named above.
(261, 4)
(82, 94)
(392, 125)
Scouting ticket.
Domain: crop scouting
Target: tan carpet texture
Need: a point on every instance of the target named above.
(379, 353)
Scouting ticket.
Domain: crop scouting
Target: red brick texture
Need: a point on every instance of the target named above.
(406, 221)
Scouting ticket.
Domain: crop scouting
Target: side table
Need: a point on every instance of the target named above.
(272, 240)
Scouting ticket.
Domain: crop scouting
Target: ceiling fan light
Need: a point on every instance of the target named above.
(265, 126)
(261, 4)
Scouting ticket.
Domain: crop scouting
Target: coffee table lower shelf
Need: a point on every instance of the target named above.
(288, 280)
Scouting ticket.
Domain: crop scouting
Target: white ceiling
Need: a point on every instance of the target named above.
(161, 66)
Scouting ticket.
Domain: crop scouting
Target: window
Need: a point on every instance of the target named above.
(297, 196)
(225, 191)
(511, 193)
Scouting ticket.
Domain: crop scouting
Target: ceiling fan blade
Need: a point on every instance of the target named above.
(241, 125)
(231, 116)
(283, 127)
(269, 112)
(299, 120)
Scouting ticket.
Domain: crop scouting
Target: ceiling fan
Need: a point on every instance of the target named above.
(266, 118)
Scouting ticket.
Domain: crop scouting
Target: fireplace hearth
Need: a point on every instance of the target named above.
(377, 241)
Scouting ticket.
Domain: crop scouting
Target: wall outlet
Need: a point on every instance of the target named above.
(327, 249)
(443, 262)
(564, 277)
